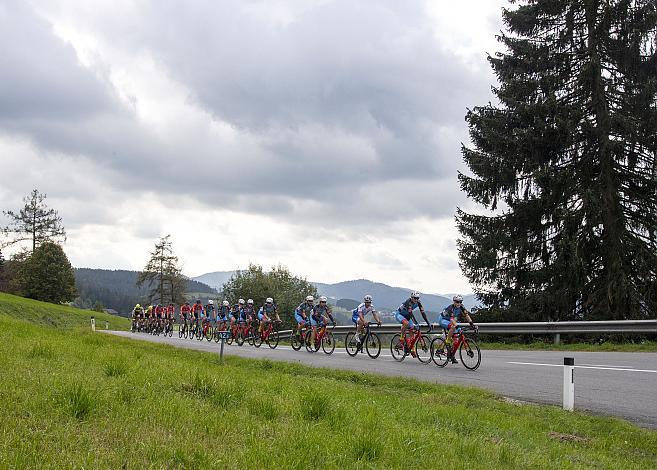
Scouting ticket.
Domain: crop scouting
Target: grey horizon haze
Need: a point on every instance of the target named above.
(323, 135)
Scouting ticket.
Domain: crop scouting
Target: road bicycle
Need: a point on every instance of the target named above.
(417, 345)
(168, 327)
(269, 335)
(298, 340)
(183, 329)
(219, 327)
(193, 328)
(465, 344)
(243, 333)
(370, 340)
(323, 337)
(207, 331)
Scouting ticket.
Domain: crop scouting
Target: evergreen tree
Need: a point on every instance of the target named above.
(3, 286)
(47, 275)
(162, 276)
(35, 222)
(567, 165)
(287, 290)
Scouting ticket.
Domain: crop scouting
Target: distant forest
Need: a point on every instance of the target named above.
(116, 289)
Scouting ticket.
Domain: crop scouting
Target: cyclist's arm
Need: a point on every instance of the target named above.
(375, 314)
(466, 314)
(424, 315)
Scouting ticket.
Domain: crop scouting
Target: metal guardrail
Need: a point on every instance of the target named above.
(556, 328)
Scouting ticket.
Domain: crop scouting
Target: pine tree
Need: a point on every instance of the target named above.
(566, 164)
(35, 222)
(162, 276)
(47, 275)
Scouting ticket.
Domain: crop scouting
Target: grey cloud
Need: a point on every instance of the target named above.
(40, 77)
(348, 114)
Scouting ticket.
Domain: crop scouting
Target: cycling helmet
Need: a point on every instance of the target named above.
(250, 301)
(415, 295)
(211, 302)
(241, 301)
(137, 306)
(186, 302)
(198, 301)
(367, 298)
(269, 300)
(323, 299)
(310, 298)
(225, 303)
(457, 298)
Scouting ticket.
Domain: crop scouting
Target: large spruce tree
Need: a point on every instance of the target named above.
(47, 275)
(566, 164)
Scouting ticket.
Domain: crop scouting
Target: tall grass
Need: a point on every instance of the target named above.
(67, 401)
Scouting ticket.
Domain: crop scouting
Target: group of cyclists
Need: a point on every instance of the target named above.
(309, 316)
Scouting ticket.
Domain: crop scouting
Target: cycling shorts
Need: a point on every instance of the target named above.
(400, 318)
(299, 319)
(444, 322)
(261, 316)
(314, 322)
(354, 318)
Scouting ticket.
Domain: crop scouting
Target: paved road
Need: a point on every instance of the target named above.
(616, 384)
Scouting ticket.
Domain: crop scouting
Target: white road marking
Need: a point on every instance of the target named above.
(584, 367)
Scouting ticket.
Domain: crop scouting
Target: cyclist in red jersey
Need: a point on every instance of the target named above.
(197, 311)
(185, 311)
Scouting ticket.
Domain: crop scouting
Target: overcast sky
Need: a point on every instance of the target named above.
(324, 135)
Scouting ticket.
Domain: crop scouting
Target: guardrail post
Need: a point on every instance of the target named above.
(557, 338)
(569, 383)
(93, 324)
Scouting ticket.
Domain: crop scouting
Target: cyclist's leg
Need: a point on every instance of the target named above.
(452, 327)
(404, 323)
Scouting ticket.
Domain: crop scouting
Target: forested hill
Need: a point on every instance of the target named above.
(116, 289)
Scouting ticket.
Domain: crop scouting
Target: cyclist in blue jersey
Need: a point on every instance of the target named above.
(359, 313)
(449, 318)
(320, 316)
(209, 313)
(302, 313)
(266, 314)
(236, 312)
(223, 312)
(404, 314)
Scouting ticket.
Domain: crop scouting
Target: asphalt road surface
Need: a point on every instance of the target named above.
(608, 383)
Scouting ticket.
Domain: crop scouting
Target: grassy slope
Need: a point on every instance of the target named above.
(59, 316)
(73, 398)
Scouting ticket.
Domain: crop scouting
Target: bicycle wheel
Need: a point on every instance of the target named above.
(217, 334)
(423, 349)
(170, 331)
(180, 331)
(439, 351)
(373, 345)
(272, 339)
(296, 341)
(257, 341)
(185, 331)
(253, 331)
(240, 337)
(328, 343)
(229, 340)
(306, 341)
(470, 354)
(209, 333)
(350, 344)
(397, 348)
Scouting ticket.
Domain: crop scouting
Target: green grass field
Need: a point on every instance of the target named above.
(57, 316)
(72, 398)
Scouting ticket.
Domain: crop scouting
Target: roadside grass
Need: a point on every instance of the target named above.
(99, 401)
(58, 316)
(644, 346)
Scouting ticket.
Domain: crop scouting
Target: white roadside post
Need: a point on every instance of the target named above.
(223, 335)
(93, 324)
(569, 383)
(106, 325)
